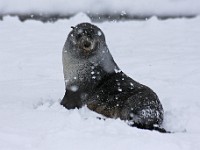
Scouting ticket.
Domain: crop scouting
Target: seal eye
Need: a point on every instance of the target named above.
(79, 36)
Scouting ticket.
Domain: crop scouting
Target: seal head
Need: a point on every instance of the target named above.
(85, 41)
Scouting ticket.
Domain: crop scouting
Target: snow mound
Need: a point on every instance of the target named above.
(80, 17)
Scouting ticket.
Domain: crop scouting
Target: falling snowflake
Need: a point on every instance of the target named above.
(74, 88)
(99, 33)
(119, 89)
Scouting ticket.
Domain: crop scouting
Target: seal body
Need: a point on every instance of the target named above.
(92, 78)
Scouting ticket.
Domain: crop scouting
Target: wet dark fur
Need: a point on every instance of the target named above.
(112, 93)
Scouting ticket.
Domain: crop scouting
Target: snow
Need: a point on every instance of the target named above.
(161, 54)
(134, 7)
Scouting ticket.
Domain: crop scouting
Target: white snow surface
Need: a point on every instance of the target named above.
(134, 7)
(165, 55)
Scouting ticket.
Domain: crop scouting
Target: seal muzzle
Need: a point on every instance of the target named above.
(86, 44)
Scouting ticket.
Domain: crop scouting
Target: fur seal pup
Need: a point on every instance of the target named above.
(92, 78)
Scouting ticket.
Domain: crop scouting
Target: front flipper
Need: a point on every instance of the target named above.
(72, 99)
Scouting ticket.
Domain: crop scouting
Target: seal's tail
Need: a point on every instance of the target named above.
(159, 129)
(152, 128)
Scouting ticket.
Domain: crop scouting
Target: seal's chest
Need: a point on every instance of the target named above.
(76, 72)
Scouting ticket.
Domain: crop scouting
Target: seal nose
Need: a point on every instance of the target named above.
(87, 44)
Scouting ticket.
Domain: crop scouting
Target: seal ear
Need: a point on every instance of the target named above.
(73, 27)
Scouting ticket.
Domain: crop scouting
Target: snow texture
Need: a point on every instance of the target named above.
(134, 7)
(161, 54)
